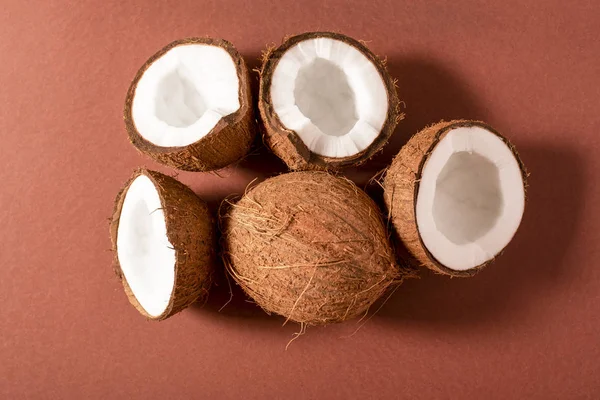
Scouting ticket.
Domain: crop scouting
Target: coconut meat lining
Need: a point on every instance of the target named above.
(183, 94)
(331, 95)
(471, 198)
(146, 256)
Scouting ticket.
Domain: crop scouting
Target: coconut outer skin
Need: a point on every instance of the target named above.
(286, 143)
(401, 187)
(309, 246)
(190, 229)
(228, 142)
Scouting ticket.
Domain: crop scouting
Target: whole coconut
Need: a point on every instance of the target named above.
(309, 246)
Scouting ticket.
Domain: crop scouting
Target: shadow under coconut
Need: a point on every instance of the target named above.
(226, 299)
(537, 256)
(260, 160)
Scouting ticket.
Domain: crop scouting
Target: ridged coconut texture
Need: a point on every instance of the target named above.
(190, 229)
(226, 143)
(309, 246)
(401, 186)
(286, 144)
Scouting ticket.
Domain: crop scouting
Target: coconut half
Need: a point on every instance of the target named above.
(326, 101)
(456, 196)
(163, 240)
(190, 105)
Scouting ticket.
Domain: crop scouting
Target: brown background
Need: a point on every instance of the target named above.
(525, 328)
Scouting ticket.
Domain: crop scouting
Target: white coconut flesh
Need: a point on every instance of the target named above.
(331, 95)
(146, 256)
(182, 95)
(471, 198)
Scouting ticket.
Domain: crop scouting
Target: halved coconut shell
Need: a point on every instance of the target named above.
(190, 105)
(456, 194)
(163, 240)
(326, 101)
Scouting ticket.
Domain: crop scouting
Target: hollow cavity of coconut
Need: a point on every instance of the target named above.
(190, 106)
(309, 246)
(163, 239)
(326, 102)
(456, 196)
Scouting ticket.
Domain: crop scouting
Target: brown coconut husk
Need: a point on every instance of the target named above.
(190, 229)
(401, 186)
(286, 144)
(228, 141)
(309, 246)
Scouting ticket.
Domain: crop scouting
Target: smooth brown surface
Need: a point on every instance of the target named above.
(527, 327)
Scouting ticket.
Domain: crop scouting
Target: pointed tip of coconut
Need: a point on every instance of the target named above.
(286, 143)
(227, 142)
(189, 227)
(401, 185)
